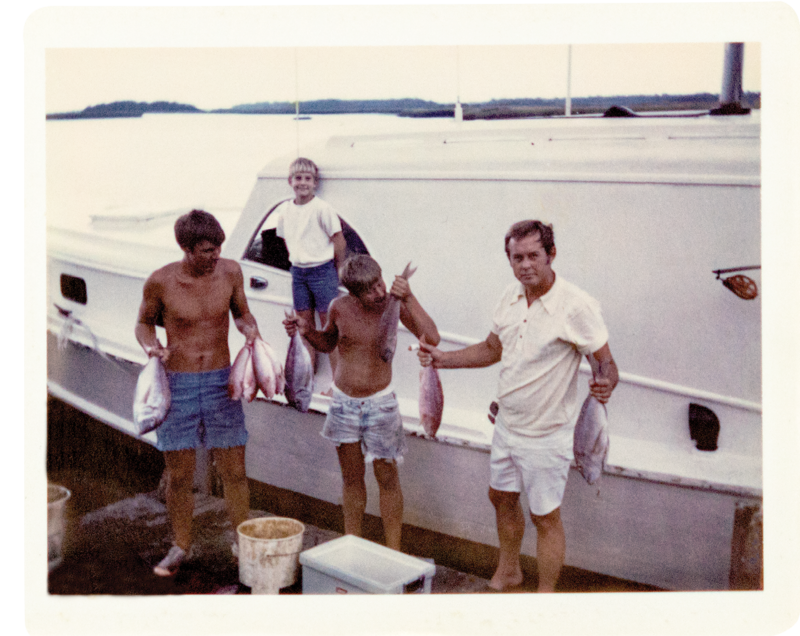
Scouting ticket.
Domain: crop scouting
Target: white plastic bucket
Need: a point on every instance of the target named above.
(269, 553)
(57, 497)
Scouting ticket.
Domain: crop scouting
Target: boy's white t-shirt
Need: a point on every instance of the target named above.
(308, 231)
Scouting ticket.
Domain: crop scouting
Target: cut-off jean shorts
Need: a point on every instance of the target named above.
(539, 466)
(374, 421)
(201, 413)
(314, 287)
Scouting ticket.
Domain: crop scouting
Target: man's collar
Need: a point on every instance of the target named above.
(549, 299)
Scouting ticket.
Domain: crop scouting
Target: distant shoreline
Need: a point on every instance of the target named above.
(495, 109)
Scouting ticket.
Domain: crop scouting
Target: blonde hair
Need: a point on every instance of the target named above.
(359, 273)
(301, 164)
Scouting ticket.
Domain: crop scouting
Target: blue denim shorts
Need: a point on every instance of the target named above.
(201, 413)
(374, 421)
(314, 287)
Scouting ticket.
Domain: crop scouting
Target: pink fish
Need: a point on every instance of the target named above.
(590, 444)
(431, 400)
(238, 370)
(387, 335)
(268, 370)
(152, 397)
(299, 370)
(249, 384)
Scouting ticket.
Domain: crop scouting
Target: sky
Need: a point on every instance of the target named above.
(215, 57)
(221, 77)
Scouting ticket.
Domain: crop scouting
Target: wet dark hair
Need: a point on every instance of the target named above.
(198, 226)
(359, 273)
(527, 228)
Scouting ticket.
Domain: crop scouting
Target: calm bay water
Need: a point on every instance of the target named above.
(163, 162)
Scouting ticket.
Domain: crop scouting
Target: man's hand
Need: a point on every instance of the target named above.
(601, 389)
(250, 333)
(157, 351)
(429, 355)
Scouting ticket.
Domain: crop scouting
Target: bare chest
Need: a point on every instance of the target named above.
(197, 300)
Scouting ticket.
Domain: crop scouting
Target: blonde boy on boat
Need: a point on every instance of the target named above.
(313, 235)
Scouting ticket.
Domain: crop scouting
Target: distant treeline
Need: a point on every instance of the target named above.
(494, 109)
(126, 109)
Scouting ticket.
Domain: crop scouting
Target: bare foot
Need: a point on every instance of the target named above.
(505, 580)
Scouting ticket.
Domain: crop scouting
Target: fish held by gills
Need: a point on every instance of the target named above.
(590, 442)
(299, 372)
(431, 400)
(152, 398)
(387, 334)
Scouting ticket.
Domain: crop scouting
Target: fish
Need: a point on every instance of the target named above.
(431, 400)
(387, 334)
(151, 399)
(249, 384)
(268, 369)
(590, 443)
(299, 372)
(238, 370)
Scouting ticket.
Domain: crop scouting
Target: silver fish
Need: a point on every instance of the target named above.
(152, 397)
(387, 334)
(590, 444)
(238, 371)
(431, 400)
(299, 370)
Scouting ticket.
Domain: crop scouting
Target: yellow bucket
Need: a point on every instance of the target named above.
(269, 553)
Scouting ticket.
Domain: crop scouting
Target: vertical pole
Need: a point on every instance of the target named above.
(568, 105)
(458, 113)
(730, 96)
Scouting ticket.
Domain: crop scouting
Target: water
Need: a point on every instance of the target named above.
(163, 162)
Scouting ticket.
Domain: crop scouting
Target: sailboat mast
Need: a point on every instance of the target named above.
(568, 104)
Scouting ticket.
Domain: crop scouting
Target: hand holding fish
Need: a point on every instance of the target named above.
(295, 324)
(601, 388)
(429, 355)
(400, 289)
(250, 333)
(158, 351)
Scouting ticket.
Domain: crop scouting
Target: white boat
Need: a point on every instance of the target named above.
(645, 212)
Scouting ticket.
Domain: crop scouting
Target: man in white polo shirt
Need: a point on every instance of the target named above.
(543, 326)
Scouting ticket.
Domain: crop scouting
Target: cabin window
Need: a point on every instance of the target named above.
(73, 288)
(268, 248)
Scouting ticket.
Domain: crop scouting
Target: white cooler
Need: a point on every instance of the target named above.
(352, 565)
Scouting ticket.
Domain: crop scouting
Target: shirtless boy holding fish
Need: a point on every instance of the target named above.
(194, 297)
(364, 419)
(543, 326)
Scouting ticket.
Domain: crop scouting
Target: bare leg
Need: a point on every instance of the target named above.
(230, 463)
(180, 498)
(550, 548)
(510, 530)
(391, 500)
(354, 490)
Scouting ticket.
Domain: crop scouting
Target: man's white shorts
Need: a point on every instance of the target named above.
(538, 466)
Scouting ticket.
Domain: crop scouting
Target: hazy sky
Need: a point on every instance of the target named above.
(223, 77)
(217, 57)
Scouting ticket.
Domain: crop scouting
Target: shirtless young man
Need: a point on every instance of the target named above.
(364, 416)
(193, 297)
